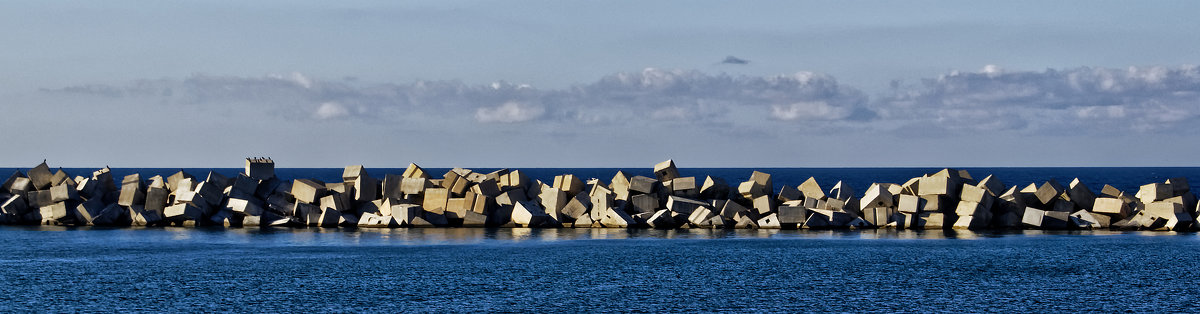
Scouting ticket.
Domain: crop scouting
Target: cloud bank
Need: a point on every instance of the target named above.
(1095, 100)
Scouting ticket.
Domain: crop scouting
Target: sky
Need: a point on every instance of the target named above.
(600, 83)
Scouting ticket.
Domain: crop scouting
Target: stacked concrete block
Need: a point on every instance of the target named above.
(260, 168)
(714, 188)
(666, 171)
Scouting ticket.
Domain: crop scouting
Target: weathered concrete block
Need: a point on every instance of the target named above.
(406, 213)
(1163, 209)
(616, 219)
(642, 184)
(792, 215)
(878, 216)
(41, 176)
(244, 206)
(1154, 192)
(329, 218)
(911, 187)
(1088, 220)
(568, 183)
(63, 192)
(260, 168)
(751, 190)
(730, 209)
(768, 222)
(819, 219)
(366, 189)
(764, 205)
(841, 191)
(973, 222)
(156, 198)
(183, 211)
(131, 194)
(683, 205)
(553, 201)
(910, 204)
(683, 184)
(661, 220)
(15, 205)
(788, 193)
(435, 200)
(876, 196)
(700, 216)
(763, 180)
(1080, 194)
(971, 208)
(933, 220)
(666, 171)
(992, 185)
(1179, 186)
(307, 191)
(644, 203)
(1033, 218)
(602, 200)
(530, 214)
(1048, 192)
(86, 211)
(112, 215)
(1056, 220)
(810, 188)
(415, 171)
(714, 188)
(21, 185)
(744, 221)
(934, 186)
(578, 206)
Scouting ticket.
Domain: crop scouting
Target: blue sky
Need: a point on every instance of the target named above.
(596, 84)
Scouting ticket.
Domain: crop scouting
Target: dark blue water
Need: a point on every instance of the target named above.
(587, 270)
(1124, 178)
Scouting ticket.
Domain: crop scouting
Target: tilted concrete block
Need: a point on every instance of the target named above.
(86, 211)
(911, 187)
(243, 185)
(1179, 186)
(435, 200)
(700, 216)
(366, 189)
(682, 184)
(1080, 194)
(132, 194)
(730, 209)
(530, 214)
(21, 185)
(616, 219)
(8, 183)
(307, 191)
(1033, 218)
(1154, 192)
(876, 196)
(683, 205)
(666, 171)
(1163, 209)
(63, 192)
(751, 190)
(15, 205)
(218, 181)
(415, 171)
(329, 218)
(768, 222)
(156, 198)
(1089, 220)
(244, 206)
(714, 188)
(934, 220)
(878, 216)
(1048, 192)
(788, 193)
(971, 208)
(352, 172)
(744, 221)
(642, 184)
(764, 205)
(41, 176)
(935, 186)
(1056, 220)
(644, 203)
(1110, 191)
(661, 220)
(939, 203)
(180, 212)
(909, 204)
(553, 201)
(578, 206)
(992, 185)
(568, 183)
(841, 191)
(414, 186)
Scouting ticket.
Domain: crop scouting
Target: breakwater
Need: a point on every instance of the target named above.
(509, 198)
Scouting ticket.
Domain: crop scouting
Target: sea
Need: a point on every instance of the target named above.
(173, 269)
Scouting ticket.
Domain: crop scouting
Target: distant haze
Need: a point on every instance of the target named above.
(600, 84)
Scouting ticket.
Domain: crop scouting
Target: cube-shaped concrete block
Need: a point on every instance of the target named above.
(41, 176)
(568, 183)
(972, 222)
(768, 222)
(764, 205)
(156, 199)
(307, 191)
(700, 216)
(793, 215)
(63, 192)
(683, 205)
(1179, 186)
(1163, 209)
(877, 196)
(244, 206)
(841, 191)
(181, 212)
(992, 185)
(642, 184)
(616, 219)
(415, 171)
(366, 189)
(15, 205)
(714, 188)
(1033, 218)
(644, 203)
(260, 168)
(131, 194)
(910, 204)
(666, 171)
(1154, 192)
(934, 186)
(1080, 194)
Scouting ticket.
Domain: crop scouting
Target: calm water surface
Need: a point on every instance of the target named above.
(571, 270)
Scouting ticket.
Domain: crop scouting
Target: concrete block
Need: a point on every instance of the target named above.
(666, 171)
(682, 184)
(1154, 192)
(768, 222)
(415, 171)
(553, 201)
(731, 209)
(911, 187)
(602, 200)
(568, 183)
(683, 205)
(910, 204)
(744, 221)
(578, 206)
(530, 214)
(41, 176)
(1080, 194)
(841, 191)
(156, 198)
(366, 189)
(1033, 218)
(616, 219)
(63, 192)
(931, 185)
(933, 220)
(329, 218)
(474, 220)
(939, 203)
(700, 216)
(714, 188)
(260, 168)
(12, 178)
(307, 191)
(992, 185)
(435, 200)
(878, 216)
(21, 185)
(181, 212)
(661, 220)
(216, 179)
(15, 205)
(112, 215)
(1056, 220)
(88, 210)
(132, 194)
(642, 184)
(792, 215)
(763, 180)
(819, 219)
(1048, 192)
(973, 222)
(406, 213)
(1089, 220)
(244, 206)
(788, 193)
(751, 190)
(487, 187)
(1179, 186)
(877, 196)
(1163, 209)
(1110, 191)
(764, 205)
(644, 203)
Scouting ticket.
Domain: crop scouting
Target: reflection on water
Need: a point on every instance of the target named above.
(452, 236)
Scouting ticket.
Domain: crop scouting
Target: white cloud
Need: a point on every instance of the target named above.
(509, 112)
(330, 110)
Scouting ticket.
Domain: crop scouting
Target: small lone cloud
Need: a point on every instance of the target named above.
(331, 110)
(735, 60)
